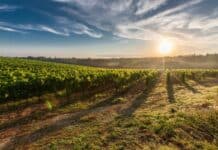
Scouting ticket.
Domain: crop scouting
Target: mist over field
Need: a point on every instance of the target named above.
(209, 61)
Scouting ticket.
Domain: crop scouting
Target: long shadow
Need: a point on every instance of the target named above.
(200, 82)
(28, 102)
(11, 108)
(193, 90)
(58, 125)
(138, 101)
(42, 132)
(41, 115)
(207, 83)
(186, 84)
(117, 94)
(169, 87)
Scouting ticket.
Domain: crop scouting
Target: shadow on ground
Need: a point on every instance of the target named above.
(207, 82)
(186, 85)
(72, 120)
(189, 87)
(41, 114)
(138, 101)
(169, 87)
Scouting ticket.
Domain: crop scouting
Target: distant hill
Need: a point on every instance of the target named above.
(209, 61)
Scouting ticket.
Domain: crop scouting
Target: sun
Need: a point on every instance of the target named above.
(165, 47)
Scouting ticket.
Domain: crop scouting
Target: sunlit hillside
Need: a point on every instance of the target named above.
(48, 105)
(108, 75)
(209, 61)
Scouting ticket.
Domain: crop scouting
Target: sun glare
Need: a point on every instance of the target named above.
(165, 47)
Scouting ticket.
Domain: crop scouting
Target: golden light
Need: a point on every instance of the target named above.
(165, 47)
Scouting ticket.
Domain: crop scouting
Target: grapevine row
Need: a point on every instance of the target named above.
(194, 74)
(22, 78)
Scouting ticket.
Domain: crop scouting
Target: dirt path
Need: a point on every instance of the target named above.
(26, 134)
(154, 112)
(105, 114)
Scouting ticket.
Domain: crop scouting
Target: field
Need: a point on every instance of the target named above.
(208, 61)
(46, 105)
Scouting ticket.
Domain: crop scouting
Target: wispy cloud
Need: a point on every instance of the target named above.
(127, 22)
(183, 21)
(9, 29)
(148, 5)
(165, 23)
(65, 29)
(5, 7)
(24, 28)
(82, 29)
(76, 27)
(51, 30)
(179, 23)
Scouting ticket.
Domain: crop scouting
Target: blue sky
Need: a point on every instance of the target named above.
(107, 28)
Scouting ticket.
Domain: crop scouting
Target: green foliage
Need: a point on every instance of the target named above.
(194, 74)
(119, 100)
(21, 78)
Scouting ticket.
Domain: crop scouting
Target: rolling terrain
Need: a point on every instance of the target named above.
(208, 61)
(106, 108)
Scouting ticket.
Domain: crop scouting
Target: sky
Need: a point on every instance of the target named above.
(107, 28)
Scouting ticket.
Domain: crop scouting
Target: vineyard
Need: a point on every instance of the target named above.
(46, 105)
(22, 78)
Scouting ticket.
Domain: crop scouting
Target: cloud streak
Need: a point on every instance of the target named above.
(148, 5)
(9, 29)
(79, 29)
(5, 8)
(180, 22)
(184, 21)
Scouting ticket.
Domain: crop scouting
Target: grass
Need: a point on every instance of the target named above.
(189, 122)
(119, 100)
